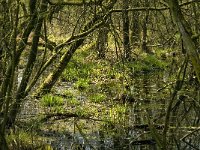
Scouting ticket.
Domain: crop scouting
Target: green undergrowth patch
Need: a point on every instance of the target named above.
(100, 89)
(50, 100)
(25, 140)
(147, 64)
(102, 79)
(97, 98)
(99, 82)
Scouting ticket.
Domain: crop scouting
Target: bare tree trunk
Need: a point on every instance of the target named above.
(144, 29)
(29, 68)
(135, 26)
(102, 40)
(126, 40)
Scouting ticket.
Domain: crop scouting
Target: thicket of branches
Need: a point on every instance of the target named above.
(26, 25)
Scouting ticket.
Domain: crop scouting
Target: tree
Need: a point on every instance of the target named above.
(135, 25)
(186, 34)
(18, 46)
(144, 28)
(125, 22)
(101, 43)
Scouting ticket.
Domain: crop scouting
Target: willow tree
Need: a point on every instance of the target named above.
(11, 99)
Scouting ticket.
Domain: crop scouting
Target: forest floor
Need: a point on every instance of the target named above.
(97, 100)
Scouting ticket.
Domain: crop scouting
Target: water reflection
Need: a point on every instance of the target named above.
(128, 128)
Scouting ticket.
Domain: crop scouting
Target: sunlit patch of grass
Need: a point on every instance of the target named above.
(153, 62)
(97, 98)
(73, 102)
(82, 84)
(52, 101)
(68, 94)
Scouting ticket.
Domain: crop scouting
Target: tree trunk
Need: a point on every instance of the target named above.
(3, 143)
(21, 46)
(135, 26)
(102, 40)
(144, 29)
(126, 40)
(28, 70)
(53, 77)
(186, 34)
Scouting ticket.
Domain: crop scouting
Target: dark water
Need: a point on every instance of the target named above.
(128, 128)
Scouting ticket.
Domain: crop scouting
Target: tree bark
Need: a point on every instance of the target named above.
(21, 46)
(144, 29)
(186, 34)
(20, 95)
(101, 43)
(53, 77)
(126, 40)
(3, 143)
(135, 27)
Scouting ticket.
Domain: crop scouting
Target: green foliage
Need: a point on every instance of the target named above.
(79, 67)
(82, 84)
(148, 63)
(97, 98)
(73, 102)
(23, 140)
(52, 101)
(153, 62)
(68, 94)
(81, 111)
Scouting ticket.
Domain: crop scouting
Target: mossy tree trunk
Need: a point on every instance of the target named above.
(186, 35)
(8, 34)
(10, 98)
(98, 20)
(191, 51)
(101, 43)
(3, 143)
(29, 67)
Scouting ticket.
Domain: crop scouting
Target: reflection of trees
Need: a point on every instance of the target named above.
(24, 24)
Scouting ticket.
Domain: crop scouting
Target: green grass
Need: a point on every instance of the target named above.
(97, 98)
(50, 100)
(148, 63)
(82, 84)
(23, 140)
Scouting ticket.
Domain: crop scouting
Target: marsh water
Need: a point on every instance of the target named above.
(124, 125)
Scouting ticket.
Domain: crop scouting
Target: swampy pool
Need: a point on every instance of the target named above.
(121, 123)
